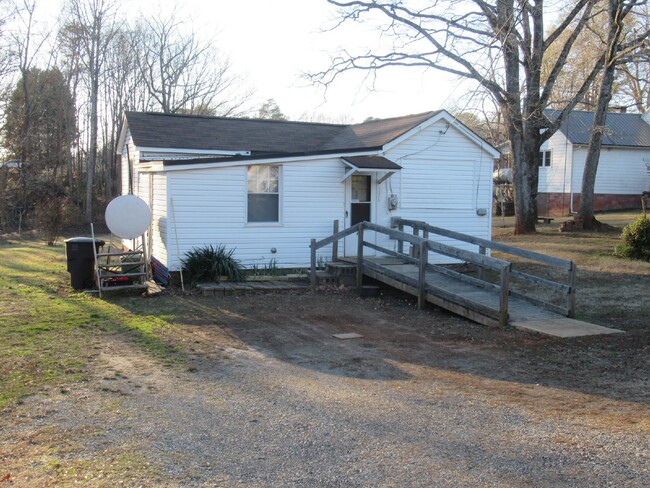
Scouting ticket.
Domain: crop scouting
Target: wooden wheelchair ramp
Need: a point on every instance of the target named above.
(476, 303)
(487, 299)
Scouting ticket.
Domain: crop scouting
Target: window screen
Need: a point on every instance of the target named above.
(263, 193)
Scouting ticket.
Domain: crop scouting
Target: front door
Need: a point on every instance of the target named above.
(359, 208)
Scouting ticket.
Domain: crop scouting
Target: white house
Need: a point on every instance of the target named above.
(623, 169)
(268, 187)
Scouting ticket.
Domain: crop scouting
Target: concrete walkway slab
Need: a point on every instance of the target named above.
(563, 327)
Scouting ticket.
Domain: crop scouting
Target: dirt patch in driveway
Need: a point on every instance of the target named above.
(259, 393)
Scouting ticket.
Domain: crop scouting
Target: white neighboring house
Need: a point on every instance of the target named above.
(266, 187)
(623, 169)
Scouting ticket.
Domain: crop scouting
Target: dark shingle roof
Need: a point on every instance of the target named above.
(376, 133)
(627, 130)
(263, 136)
(371, 162)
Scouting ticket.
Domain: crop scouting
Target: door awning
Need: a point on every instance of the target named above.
(373, 164)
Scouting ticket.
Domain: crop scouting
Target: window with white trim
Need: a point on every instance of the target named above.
(544, 158)
(263, 193)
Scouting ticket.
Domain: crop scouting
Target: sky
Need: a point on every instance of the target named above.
(275, 42)
(272, 43)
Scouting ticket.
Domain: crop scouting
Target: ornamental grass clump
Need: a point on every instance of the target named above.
(636, 240)
(210, 264)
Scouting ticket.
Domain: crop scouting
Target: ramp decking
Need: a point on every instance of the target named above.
(476, 303)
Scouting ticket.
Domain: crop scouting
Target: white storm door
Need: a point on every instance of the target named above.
(359, 207)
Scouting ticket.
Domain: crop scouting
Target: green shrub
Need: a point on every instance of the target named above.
(210, 264)
(636, 240)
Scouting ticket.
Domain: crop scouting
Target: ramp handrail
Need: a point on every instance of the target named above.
(567, 288)
(424, 245)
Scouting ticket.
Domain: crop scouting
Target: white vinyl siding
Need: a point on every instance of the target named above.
(556, 178)
(444, 180)
(210, 209)
(620, 171)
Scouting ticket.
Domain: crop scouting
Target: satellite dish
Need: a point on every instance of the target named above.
(128, 216)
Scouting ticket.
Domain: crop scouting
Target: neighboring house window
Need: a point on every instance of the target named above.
(264, 193)
(544, 158)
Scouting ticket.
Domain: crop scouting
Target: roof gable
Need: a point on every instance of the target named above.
(623, 130)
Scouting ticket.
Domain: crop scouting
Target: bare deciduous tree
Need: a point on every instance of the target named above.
(91, 27)
(617, 46)
(633, 80)
(182, 73)
(499, 44)
(7, 13)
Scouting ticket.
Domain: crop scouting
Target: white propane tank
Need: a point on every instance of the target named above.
(502, 175)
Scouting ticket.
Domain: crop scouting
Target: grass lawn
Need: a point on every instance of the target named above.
(48, 332)
(610, 291)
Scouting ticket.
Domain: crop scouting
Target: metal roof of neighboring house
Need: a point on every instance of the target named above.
(624, 130)
(156, 130)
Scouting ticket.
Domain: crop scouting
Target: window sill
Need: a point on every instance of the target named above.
(263, 224)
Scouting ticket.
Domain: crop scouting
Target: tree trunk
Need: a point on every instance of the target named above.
(92, 151)
(586, 211)
(525, 175)
(525, 183)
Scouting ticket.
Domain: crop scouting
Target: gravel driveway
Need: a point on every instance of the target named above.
(266, 397)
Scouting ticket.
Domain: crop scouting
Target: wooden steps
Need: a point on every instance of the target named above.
(337, 273)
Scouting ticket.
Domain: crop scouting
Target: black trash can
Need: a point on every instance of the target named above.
(81, 261)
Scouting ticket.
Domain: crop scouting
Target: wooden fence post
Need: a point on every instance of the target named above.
(422, 274)
(312, 276)
(360, 257)
(335, 244)
(505, 293)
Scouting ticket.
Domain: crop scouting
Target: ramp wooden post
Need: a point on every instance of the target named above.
(400, 242)
(335, 244)
(312, 276)
(415, 250)
(571, 295)
(360, 257)
(481, 270)
(422, 274)
(505, 293)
